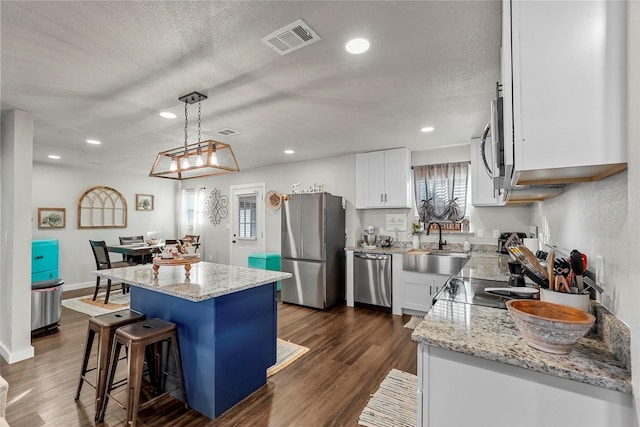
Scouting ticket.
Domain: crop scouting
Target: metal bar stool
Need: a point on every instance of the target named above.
(137, 337)
(105, 326)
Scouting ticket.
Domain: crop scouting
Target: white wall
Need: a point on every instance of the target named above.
(336, 174)
(631, 293)
(55, 186)
(592, 217)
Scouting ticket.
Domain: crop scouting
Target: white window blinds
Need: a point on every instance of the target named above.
(247, 216)
(441, 191)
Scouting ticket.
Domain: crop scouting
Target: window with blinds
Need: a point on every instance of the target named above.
(247, 216)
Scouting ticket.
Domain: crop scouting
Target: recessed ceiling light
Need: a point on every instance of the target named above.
(93, 141)
(289, 151)
(427, 129)
(168, 115)
(357, 46)
(53, 156)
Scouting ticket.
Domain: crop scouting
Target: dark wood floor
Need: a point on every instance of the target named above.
(351, 351)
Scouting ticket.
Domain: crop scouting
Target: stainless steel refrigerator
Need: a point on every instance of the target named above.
(312, 245)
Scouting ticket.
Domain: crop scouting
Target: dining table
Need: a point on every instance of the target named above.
(136, 249)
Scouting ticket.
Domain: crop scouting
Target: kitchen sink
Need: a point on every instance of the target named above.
(435, 262)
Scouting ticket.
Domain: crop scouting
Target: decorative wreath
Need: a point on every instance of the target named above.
(274, 200)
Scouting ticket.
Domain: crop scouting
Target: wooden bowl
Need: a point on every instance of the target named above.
(549, 327)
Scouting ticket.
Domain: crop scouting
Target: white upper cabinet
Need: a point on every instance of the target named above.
(565, 62)
(383, 179)
(482, 193)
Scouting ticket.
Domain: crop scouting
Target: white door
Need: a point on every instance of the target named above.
(247, 222)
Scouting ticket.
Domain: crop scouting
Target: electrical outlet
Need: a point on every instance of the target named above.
(496, 234)
(480, 232)
(600, 271)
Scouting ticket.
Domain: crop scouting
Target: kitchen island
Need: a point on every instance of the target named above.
(227, 325)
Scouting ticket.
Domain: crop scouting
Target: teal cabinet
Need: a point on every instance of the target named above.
(44, 260)
(265, 261)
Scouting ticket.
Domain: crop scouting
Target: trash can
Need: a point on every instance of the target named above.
(265, 261)
(46, 304)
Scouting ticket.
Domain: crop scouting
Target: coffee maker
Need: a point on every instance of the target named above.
(516, 271)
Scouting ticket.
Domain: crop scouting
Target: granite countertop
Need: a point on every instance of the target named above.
(491, 334)
(207, 280)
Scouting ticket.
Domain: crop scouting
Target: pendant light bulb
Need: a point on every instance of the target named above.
(199, 161)
(173, 166)
(184, 163)
(214, 158)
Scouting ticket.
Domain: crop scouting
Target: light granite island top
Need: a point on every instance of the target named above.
(491, 334)
(207, 280)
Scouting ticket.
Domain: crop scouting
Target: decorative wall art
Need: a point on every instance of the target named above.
(315, 188)
(273, 199)
(52, 217)
(144, 202)
(102, 207)
(216, 206)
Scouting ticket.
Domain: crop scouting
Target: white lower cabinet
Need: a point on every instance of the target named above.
(413, 292)
(456, 389)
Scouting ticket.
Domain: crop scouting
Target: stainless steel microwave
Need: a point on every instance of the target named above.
(495, 166)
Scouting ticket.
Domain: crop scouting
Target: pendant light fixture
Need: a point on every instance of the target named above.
(203, 158)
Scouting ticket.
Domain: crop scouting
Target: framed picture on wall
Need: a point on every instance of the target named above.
(144, 202)
(52, 217)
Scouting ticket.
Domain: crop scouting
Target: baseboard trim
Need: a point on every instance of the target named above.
(16, 356)
(74, 286)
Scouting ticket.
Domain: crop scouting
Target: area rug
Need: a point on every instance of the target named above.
(413, 323)
(287, 353)
(394, 403)
(84, 304)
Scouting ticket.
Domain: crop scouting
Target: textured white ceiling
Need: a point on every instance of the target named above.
(104, 70)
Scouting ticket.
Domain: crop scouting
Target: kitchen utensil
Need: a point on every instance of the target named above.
(577, 266)
(540, 278)
(512, 291)
(532, 259)
(550, 275)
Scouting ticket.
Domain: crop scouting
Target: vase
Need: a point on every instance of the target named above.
(415, 241)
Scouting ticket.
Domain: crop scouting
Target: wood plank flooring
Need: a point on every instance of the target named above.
(351, 351)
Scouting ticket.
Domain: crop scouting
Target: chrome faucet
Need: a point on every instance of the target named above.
(440, 242)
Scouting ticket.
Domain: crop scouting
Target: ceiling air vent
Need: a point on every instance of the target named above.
(227, 131)
(291, 37)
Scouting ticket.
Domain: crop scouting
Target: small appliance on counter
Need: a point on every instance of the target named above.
(369, 237)
(516, 272)
(502, 240)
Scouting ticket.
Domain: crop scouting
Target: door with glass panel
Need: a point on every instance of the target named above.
(247, 222)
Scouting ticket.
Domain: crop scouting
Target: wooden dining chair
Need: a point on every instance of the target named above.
(138, 259)
(101, 255)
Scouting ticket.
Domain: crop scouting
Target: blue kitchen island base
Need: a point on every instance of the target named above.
(227, 342)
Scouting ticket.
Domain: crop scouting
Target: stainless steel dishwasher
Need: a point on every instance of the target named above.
(372, 279)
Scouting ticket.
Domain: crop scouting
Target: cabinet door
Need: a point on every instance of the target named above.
(418, 294)
(397, 178)
(482, 193)
(568, 87)
(370, 180)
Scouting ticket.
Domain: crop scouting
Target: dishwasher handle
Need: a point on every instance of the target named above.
(372, 256)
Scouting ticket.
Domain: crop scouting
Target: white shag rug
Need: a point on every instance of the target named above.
(394, 403)
(413, 323)
(117, 301)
